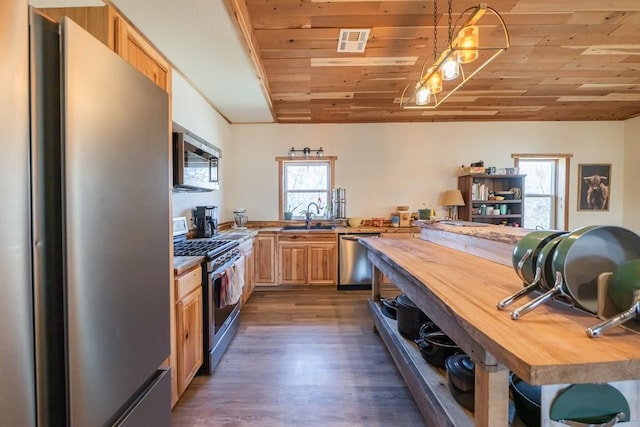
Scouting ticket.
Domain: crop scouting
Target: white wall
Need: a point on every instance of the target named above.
(385, 165)
(631, 214)
(192, 112)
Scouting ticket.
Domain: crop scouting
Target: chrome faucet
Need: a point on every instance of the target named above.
(308, 214)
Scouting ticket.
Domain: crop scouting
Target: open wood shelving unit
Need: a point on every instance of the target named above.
(493, 183)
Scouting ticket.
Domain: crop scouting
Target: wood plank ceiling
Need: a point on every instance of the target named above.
(568, 60)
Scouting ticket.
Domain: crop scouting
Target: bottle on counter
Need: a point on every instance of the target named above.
(395, 219)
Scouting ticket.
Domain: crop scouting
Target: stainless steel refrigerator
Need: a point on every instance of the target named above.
(84, 260)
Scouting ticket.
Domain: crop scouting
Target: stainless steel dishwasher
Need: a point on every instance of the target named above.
(354, 268)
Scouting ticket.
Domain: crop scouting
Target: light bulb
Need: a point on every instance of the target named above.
(434, 83)
(422, 96)
(450, 68)
(468, 44)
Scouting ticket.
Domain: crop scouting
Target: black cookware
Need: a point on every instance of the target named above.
(526, 399)
(461, 379)
(388, 307)
(410, 317)
(436, 347)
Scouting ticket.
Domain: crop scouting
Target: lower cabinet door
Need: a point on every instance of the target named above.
(293, 263)
(322, 263)
(189, 328)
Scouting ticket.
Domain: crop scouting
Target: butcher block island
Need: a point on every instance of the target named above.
(459, 292)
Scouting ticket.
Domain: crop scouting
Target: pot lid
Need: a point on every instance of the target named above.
(404, 300)
(461, 366)
(589, 403)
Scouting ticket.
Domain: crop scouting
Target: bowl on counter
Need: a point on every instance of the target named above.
(355, 221)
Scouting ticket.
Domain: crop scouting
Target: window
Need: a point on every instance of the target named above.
(545, 190)
(306, 181)
(540, 193)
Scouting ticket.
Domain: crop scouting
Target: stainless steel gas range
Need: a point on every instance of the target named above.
(220, 320)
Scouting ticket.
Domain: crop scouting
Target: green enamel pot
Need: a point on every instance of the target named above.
(578, 260)
(545, 262)
(586, 253)
(526, 251)
(624, 282)
(527, 263)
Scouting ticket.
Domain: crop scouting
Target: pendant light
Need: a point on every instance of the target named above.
(450, 67)
(469, 42)
(434, 81)
(434, 74)
(422, 95)
(461, 60)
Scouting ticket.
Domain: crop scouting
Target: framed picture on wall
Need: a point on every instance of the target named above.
(594, 186)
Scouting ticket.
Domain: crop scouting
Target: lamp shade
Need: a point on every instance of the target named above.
(452, 198)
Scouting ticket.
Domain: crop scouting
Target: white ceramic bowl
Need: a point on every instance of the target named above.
(354, 221)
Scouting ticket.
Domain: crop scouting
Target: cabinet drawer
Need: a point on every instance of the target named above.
(187, 282)
(304, 237)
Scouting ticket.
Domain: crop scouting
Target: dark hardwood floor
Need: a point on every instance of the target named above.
(303, 356)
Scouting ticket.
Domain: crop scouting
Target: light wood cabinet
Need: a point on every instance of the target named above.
(248, 249)
(112, 29)
(308, 258)
(323, 263)
(188, 326)
(293, 263)
(131, 46)
(265, 261)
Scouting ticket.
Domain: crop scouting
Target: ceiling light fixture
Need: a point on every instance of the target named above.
(306, 152)
(463, 58)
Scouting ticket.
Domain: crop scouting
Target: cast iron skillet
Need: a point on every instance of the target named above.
(578, 261)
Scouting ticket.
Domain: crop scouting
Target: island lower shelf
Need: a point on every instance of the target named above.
(426, 383)
(458, 291)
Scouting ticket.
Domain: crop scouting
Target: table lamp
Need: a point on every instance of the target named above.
(451, 199)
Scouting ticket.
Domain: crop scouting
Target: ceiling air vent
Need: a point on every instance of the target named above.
(352, 41)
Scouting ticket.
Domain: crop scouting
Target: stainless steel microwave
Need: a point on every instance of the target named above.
(195, 164)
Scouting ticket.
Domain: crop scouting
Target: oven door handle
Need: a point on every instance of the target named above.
(219, 272)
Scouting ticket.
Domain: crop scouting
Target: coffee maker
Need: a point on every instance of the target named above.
(206, 221)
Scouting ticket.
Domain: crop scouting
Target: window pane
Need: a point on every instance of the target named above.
(537, 212)
(306, 176)
(304, 183)
(300, 201)
(540, 176)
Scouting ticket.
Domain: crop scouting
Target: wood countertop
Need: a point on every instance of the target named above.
(547, 346)
(496, 233)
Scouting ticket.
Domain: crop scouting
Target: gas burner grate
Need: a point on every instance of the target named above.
(204, 247)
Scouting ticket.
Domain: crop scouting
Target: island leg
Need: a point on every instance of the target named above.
(491, 396)
(376, 281)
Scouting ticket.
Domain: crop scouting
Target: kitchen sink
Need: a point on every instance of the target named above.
(304, 227)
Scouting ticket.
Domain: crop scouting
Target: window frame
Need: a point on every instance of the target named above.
(552, 196)
(282, 161)
(559, 158)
